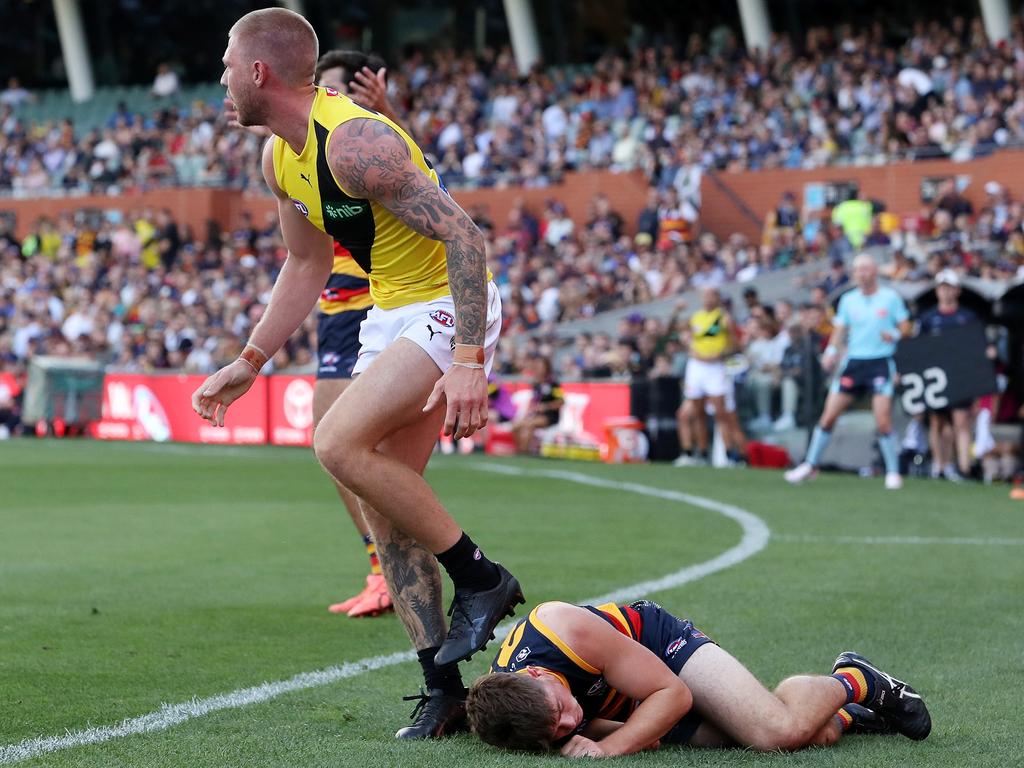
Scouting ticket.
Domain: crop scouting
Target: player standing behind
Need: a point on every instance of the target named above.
(343, 307)
(870, 320)
(345, 172)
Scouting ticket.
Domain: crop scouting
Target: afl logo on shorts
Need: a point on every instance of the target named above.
(521, 656)
(441, 317)
(301, 207)
(674, 647)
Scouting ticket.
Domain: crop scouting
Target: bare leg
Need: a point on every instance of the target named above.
(699, 417)
(410, 570)
(325, 392)
(684, 424)
(935, 442)
(385, 399)
(962, 434)
(835, 404)
(747, 714)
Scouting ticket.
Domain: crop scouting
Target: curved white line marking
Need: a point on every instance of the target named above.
(755, 537)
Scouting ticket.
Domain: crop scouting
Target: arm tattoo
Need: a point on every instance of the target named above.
(415, 581)
(373, 162)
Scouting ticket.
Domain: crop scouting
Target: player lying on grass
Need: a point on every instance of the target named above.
(617, 679)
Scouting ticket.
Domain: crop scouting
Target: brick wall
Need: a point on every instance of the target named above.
(897, 185)
(195, 206)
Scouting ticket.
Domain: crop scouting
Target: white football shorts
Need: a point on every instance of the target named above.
(430, 325)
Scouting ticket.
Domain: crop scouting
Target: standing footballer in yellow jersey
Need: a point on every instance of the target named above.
(344, 173)
(711, 340)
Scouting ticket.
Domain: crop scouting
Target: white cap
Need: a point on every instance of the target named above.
(948, 277)
(993, 187)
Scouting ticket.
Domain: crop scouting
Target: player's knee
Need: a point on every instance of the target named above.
(338, 459)
(780, 734)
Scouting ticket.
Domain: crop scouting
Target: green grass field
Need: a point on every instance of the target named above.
(133, 576)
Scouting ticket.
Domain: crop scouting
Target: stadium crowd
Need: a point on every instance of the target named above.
(144, 293)
(844, 96)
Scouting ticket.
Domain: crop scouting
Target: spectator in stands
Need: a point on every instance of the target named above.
(854, 216)
(166, 82)
(764, 354)
(14, 95)
(784, 219)
(544, 408)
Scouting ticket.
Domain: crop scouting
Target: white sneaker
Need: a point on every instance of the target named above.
(949, 472)
(784, 422)
(760, 424)
(801, 473)
(685, 460)
(893, 481)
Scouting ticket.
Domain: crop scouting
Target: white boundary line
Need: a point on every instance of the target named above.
(755, 538)
(991, 541)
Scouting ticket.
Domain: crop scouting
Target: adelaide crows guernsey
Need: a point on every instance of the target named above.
(403, 266)
(348, 287)
(531, 643)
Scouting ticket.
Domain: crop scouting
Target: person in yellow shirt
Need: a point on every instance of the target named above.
(705, 381)
(343, 172)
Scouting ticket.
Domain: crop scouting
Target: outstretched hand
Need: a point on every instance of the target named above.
(212, 398)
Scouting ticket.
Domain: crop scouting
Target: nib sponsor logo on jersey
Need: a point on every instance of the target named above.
(343, 210)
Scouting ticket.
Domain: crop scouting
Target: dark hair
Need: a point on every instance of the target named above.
(510, 711)
(350, 61)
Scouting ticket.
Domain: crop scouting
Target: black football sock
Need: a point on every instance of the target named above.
(446, 678)
(467, 566)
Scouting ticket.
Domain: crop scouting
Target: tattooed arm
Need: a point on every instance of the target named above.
(371, 161)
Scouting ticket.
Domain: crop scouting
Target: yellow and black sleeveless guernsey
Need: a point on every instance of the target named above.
(531, 643)
(711, 334)
(403, 266)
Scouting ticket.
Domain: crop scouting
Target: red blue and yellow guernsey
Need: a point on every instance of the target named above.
(348, 287)
(532, 643)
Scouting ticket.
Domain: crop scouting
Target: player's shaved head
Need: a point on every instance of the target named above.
(282, 39)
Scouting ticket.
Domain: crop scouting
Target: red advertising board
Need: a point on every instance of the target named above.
(279, 410)
(159, 408)
(587, 406)
(291, 410)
